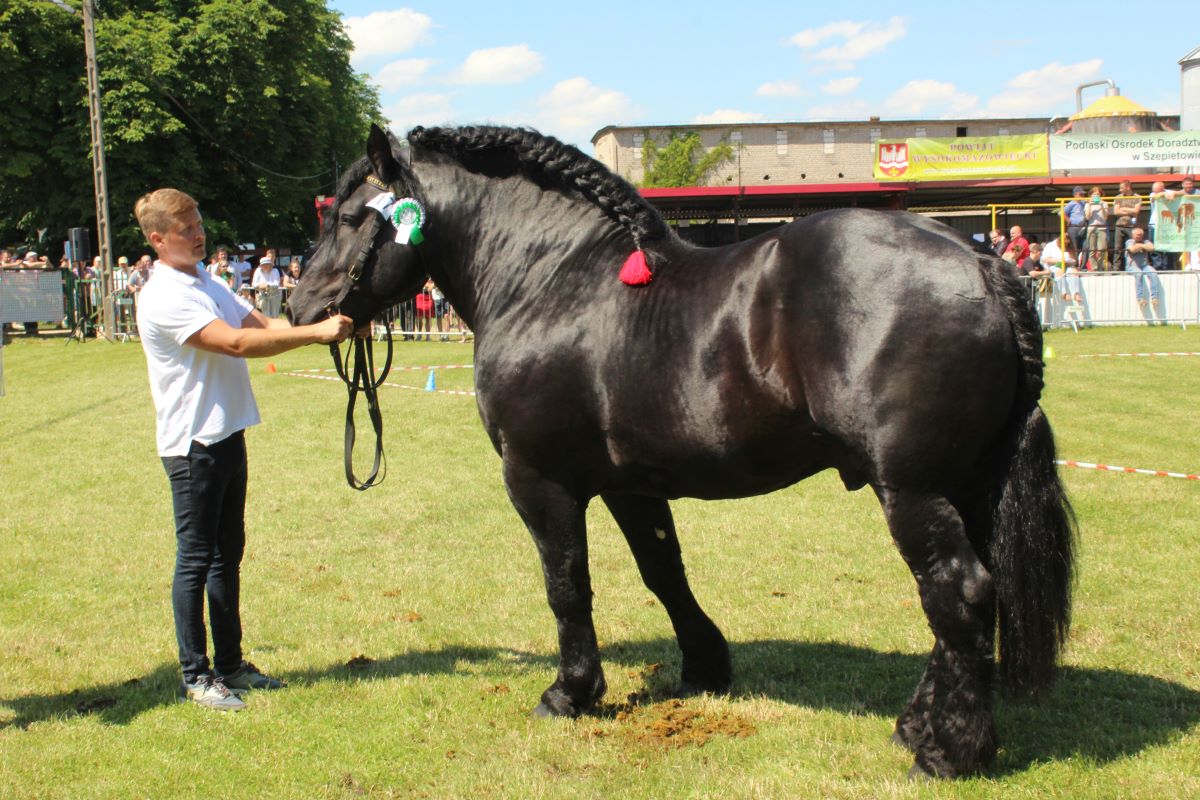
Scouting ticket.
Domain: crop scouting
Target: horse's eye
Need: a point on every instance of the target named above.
(351, 220)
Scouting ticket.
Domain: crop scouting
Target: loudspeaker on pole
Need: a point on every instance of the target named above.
(81, 244)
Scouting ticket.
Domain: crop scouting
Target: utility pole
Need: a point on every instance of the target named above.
(100, 174)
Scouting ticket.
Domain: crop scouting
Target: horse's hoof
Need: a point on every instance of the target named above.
(545, 710)
(691, 685)
(917, 774)
(691, 688)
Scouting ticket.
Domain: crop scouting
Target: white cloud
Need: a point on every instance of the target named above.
(388, 32)
(419, 109)
(779, 89)
(498, 65)
(727, 115)
(859, 39)
(926, 98)
(576, 108)
(403, 73)
(839, 86)
(814, 36)
(1040, 91)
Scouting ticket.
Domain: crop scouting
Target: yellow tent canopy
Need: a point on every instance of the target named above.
(1113, 105)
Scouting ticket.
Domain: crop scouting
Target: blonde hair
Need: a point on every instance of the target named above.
(160, 210)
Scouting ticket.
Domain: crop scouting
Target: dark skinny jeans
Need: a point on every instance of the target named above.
(208, 490)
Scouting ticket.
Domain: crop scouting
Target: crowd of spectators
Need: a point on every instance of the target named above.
(1092, 223)
(266, 285)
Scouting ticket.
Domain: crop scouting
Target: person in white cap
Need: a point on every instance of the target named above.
(120, 276)
(266, 287)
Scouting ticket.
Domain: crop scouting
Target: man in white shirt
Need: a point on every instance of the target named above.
(195, 333)
(244, 270)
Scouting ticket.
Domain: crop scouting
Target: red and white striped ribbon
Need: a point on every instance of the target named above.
(309, 373)
(1132, 355)
(312, 373)
(394, 368)
(1161, 473)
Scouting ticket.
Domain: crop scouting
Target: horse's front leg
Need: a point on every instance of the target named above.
(556, 520)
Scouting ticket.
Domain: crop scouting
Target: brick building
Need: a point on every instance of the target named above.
(795, 153)
(785, 170)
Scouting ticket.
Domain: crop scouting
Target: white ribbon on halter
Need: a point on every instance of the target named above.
(406, 215)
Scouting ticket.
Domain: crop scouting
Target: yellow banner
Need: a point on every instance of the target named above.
(965, 158)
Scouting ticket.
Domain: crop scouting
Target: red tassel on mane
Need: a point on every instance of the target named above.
(635, 272)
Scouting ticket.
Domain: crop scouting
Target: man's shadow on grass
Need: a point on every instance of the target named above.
(1097, 714)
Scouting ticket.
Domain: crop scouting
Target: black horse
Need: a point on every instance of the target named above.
(882, 345)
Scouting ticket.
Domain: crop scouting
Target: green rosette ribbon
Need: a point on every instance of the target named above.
(408, 216)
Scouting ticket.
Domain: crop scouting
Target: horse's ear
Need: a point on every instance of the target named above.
(379, 151)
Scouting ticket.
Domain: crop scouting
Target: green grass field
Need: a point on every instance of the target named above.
(411, 624)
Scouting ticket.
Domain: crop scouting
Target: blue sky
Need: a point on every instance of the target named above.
(569, 68)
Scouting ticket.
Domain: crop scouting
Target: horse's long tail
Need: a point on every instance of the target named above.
(1031, 548)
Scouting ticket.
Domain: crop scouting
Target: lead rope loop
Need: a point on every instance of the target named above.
(359, 376)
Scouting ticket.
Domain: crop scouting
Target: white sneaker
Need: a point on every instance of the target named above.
(210, 693)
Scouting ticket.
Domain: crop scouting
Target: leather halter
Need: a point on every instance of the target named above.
(354, 274)
(361, 376)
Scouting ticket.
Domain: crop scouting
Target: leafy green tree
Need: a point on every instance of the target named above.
(44, 169)
(682, 161)
(248, 105)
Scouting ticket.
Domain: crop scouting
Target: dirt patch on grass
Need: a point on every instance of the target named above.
(673, 724)
(360, 662)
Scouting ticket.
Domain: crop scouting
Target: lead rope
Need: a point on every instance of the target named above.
(361, 378)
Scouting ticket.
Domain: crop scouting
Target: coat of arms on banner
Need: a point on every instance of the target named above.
(893, 159)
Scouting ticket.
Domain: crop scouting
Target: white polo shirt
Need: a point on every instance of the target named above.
(198, 395)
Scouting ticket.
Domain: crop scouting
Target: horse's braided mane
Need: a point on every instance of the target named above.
(548, 159)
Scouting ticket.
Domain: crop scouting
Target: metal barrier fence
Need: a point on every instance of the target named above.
(409, 323)
(1110, 298)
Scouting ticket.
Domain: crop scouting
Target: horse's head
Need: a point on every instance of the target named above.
(367, 257)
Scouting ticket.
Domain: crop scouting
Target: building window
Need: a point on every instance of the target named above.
(960, 131)
(920, 132)
(638, 140)
(781, 143)
(876, 134)
(736, 137)
(1002, 132)
(827, 137)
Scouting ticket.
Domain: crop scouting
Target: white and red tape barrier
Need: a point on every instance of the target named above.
(1132, 355)
(315, 374)
(1160, 473)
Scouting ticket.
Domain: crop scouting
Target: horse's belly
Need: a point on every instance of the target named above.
(674, 465)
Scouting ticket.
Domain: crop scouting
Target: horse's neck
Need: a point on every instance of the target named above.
(505, 240)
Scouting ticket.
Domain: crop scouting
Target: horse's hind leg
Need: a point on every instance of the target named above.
(555, 518)
(650, 531)
(948, 723)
